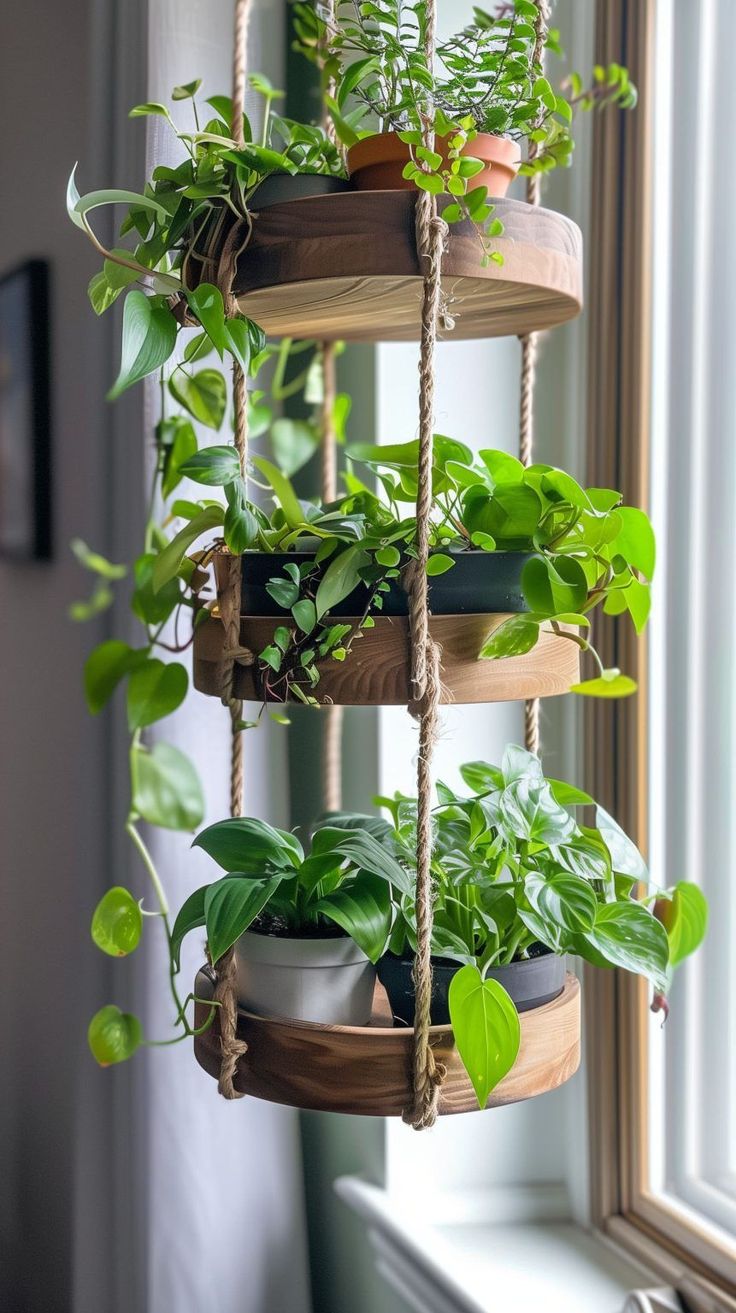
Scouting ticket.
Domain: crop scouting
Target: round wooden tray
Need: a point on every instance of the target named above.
(376, 671)
(367, 1069)
(345, 266)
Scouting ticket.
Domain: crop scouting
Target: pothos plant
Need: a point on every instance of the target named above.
(586, 549)
(488, 78)
(514, 873)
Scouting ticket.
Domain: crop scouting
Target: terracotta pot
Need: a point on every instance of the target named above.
(376, 163)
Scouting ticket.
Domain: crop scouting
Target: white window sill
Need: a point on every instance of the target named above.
(552, 1266)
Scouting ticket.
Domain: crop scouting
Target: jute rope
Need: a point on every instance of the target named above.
(529, 351)
(332, 716)
(232, 1048)
(431, 235)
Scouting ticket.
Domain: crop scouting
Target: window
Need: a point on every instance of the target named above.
(665, 401)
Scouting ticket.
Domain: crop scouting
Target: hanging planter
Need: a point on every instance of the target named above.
(367, 1070)
(518, 884)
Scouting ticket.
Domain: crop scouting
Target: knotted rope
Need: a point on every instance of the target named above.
(232, 1048)
(529, 351)
(333, 716)
(431, 235)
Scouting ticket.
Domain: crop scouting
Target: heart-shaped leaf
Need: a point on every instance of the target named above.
(486, 1028)
(203, 395)
(149, 336)
(113, 1035)
(166, 788)
(117, 923)
(155, 689)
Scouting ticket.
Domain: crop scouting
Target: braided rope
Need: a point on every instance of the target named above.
(529, 352)
(431, 235)
(232, 1048)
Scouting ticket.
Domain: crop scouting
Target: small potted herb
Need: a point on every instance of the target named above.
(486, 98)
(306, 929)
(519, 884)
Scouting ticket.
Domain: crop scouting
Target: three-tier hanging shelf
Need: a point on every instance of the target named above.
(383, 266)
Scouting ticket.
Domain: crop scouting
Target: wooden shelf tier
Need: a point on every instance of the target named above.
(345, 266)
(376, 671)
(367, 1069)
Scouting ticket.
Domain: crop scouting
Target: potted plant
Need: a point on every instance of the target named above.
(519, 884)
(505, 538)
(486, 97)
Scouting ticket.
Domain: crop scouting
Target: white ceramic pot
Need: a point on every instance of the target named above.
(328, 981)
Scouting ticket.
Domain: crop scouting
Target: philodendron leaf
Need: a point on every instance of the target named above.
(612, 684)
(189, 917)
(207, 303)
(514, 637)
(283, 491)
(627, 935)
(213, 466)
(340, 578)
(565, 901)
(363, 909)
(203, 395)
(439, 563)
(486, 1028)
(166, 788)
(169, 560)
(635, 540)
(294, 442)
(117, 923)
(551, 587)
(104, 668)
(248, 845)
(230, 906)
(685, 919)
(625, 856)
(113, 1035)
(155, 689)
(149, 335)
(78, 206)
(364, 853)
(181, 444)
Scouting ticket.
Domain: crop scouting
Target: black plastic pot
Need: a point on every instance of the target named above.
(281, 187)
(530, 983)
(479, 583)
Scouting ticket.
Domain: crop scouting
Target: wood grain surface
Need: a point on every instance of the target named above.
(376, 671)
(367, 1070)
(345, 266)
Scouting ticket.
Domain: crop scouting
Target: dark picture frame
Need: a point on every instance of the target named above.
(25, 419)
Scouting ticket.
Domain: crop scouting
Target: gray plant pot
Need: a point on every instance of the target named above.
(328, 981)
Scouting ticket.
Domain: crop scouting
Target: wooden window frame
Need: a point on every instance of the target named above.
(615, 733)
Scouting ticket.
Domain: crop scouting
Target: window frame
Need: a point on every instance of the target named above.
(615, 734)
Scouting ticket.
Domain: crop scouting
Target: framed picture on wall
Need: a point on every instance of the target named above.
(25, 441)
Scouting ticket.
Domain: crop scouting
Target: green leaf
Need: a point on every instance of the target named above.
(635, 540)
(104, 668)
(170, 559)
(213, 466)
(248, 845)
(611, 685)
(685, 919)
(482, 778)
(182, 445)
(95, 563)
(294, 442)
(529, 811)
(363, 909)
(283, 491)
(340, 578)
(186, 90)
(513, 637)
(364, 853)
(439, 563)
(203, 395)
(305, 614)
(564, 902)
(628, 936)
(486, 1028)
(117, 923)
(207, 304)
(241, 526)
(237, 341)
(568, 794)
(155, 689)
(510, 514)
(166, 788)
(230, 906)
(78, 206)
(152, 608)
(625, 856)
(149, 335)
(113, 1035)
(551, 587)
(150, 107)
(189, 917)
